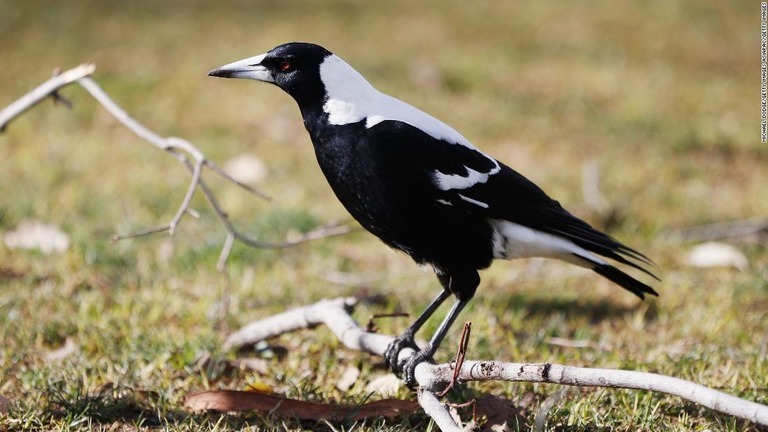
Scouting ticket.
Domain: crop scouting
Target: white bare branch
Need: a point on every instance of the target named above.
(43, 91)
(432, 379)
(184, 151)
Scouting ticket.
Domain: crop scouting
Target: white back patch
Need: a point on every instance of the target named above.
(351, 99)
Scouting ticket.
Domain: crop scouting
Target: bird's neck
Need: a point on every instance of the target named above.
(315, 119)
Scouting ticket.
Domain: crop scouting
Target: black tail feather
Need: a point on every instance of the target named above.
(624, 280)
(607, 246)
(587, 237)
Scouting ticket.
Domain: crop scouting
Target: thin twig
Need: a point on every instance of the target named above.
(371, 327)
(196, 173)
(471, 402)
(137, 234)
(461, 353)
(57, 97)
(218, 170)
(542, 414)
(43, 91)
(722, 230)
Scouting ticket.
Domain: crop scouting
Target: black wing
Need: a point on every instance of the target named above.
(510, 196)
(468, 180)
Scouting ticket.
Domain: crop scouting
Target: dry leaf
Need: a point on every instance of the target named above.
(246, 169)
(500, 414)
(231, 400)
(384, 385)
(259, 365)
(571, 343)
(716, 254)
(5, 404)
(34, 234)
(348, 378)
(259, 387)
(69, 348)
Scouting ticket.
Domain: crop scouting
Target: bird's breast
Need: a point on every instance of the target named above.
(396, 202)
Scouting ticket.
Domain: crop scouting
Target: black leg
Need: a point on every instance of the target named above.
(426, 354)
(463, 286)
(406, 338)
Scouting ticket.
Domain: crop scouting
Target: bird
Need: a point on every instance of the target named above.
(422, 188)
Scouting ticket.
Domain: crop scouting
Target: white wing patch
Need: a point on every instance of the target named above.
(351, 99)
(456, 181)
(511, 240)
(473, 201)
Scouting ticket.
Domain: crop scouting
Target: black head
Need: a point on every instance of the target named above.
(294, 67)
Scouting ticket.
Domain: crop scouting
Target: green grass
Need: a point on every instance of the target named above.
(663, 96)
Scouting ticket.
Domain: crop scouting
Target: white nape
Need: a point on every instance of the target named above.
(351, 98)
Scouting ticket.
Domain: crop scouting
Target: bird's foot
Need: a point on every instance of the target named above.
(407, 369)
(392, 352)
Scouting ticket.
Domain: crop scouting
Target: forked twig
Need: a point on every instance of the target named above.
(184, 151)
(43, 91)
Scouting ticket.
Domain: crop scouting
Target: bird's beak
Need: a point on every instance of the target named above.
(249, 68)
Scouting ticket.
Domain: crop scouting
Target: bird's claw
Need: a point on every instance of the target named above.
(408, 368)
(392, 353)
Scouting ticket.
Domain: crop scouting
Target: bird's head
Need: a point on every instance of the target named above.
(294, 67)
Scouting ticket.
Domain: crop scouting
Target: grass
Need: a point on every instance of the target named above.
(662, 96)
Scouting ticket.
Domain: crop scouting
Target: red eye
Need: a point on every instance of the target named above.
(286, 66)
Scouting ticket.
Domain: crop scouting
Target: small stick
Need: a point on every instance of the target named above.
(370, 326)
(471, 402)
(460, 355)
(57, 97)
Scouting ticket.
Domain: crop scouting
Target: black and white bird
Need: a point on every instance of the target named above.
(422, 188)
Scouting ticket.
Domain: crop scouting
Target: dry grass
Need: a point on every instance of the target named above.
(662, 96)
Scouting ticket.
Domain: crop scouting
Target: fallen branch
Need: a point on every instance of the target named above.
(433, 379)
(184, 151)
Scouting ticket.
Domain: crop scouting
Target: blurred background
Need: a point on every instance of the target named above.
(642, 117)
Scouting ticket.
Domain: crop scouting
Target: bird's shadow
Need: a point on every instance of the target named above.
(594, 311)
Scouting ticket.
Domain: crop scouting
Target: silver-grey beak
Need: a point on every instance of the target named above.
(249, 68)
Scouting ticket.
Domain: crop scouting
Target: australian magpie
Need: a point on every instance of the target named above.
(422, 188)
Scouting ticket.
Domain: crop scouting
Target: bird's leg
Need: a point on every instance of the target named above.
(406, 338)
(426, 354)
(463, 285)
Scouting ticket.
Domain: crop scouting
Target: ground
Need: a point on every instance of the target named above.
(662, 98)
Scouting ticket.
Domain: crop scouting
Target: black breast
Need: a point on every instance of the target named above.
(383, 182)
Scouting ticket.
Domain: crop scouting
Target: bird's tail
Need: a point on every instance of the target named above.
(624, 280)
(607, 246)
(596, 242)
